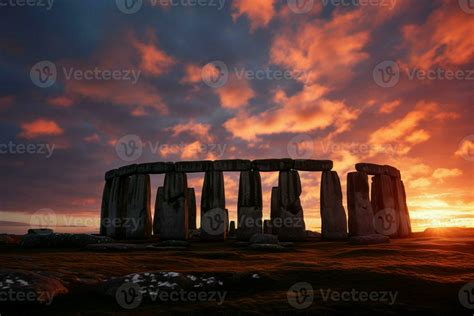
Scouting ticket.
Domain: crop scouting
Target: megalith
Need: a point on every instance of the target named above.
(249, 211)
(158, 218)
(333, 215)
(293, 227)
(191, 208)
(361, 216)
(138, 222)
(117, 207)
(404, 228)
(214, 218)
(174, 214)
(386, 217)
(275, 217)
(104, 210)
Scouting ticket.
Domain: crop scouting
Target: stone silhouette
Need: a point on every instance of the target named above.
(333, 215)
(250, 205)
(174, 212)
(139, 224)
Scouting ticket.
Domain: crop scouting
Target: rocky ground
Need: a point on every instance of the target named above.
(428, 273)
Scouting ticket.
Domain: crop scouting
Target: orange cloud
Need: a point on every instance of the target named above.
(40, 127)
(200, 130)
(466, 149)
(61, 101)
(193, 74)
(154, 61)
(443, 173)
(235, 93)
(311, 45)
(300, 113)
(389, 107)
(444, 39)
(260, 12)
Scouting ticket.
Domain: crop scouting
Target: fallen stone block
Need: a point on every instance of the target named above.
(369, 240)
(269, 165)
(264, 239)
(40, 231)
(232, 165)
(62, 240)
(313, 165)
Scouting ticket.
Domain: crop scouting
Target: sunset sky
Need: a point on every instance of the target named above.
(389, 83)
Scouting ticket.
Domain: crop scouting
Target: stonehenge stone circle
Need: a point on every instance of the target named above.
(125, 210)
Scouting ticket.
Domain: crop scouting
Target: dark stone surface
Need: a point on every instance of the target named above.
(193, 166)
(361, 216)
(374, 169)
(155, 168)
(62, 240)
(104, 210)
(40, 231)
(369, 240)
(214, 224)
(313, 165)
(139, 223)
(174, 214)
(157, 219)
(275, 211)
(117, 208)
(401, 207)
(250, 203)
(333, 215)
(267, 227)
(264, 239)
(269, 165)
(191, 208)
(292, 226)
(232, 165)
(127, 170)
(109, 175)
(39, 289)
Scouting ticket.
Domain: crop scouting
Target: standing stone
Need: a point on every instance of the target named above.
(250, 205)
(267, 227)
(104, 211)
(117, 207)
(158, 218)
(402, 208)
(275, 213)
(191, 208)
(232, 230)
(333, 215)
(138, 222)
(386, 219)
(291, 211)
(361, 216)
(174, 225)
(213, 212)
